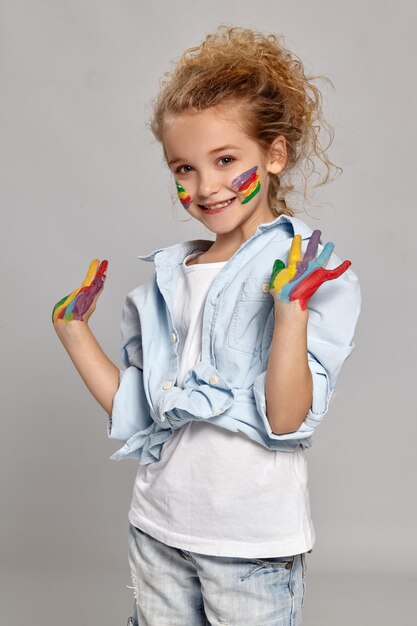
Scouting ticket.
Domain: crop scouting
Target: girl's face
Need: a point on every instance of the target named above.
(222, 175)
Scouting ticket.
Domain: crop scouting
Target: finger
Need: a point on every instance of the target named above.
(309, 255)
(295, 252)
(325, 254)
(277, 268)
(59, 308)
(307, 287)
(288, 273)
(103, 268)
(91, 273)
(58, 305)
(85, 300)
(312, 246)
(337, 271)
(283, 279)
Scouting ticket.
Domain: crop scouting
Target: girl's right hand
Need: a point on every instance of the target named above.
(81, 303)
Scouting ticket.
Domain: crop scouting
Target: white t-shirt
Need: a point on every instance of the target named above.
(214, 491)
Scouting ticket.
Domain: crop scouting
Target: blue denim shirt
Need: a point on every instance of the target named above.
(227, 386)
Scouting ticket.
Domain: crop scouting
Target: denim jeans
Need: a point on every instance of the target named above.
(174, 587)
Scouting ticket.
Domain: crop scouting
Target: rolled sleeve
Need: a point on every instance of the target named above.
(130, 412)
(322, 393)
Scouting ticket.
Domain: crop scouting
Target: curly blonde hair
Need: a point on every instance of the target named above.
(241, 66)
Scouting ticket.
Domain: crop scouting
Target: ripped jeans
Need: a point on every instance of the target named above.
(174, 587)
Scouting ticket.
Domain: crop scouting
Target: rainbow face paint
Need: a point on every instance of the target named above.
(247, 184)
(302, 277)
(77, 304)
(183, 196)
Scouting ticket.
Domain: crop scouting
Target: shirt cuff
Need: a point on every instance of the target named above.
(205, 394)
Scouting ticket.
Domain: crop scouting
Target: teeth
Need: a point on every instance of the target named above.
(217, 206)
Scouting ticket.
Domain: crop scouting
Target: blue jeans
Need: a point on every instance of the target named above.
(175, 587)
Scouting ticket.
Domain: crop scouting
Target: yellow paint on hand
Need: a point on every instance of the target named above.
(288, 273)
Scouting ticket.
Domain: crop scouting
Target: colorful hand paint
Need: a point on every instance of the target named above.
(183, 196)
(301, 279)
(76, 304)
(247, 184)
(282, 276)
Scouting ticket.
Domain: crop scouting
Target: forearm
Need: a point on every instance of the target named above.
(99, 374)
(288, 382)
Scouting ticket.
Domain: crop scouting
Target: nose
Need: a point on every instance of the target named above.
(207, 186)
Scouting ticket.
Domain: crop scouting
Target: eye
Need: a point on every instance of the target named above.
(226, 160)
(183, 169)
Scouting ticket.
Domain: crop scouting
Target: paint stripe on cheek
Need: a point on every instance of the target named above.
(252, 193)
(247, 184)
(183, 196)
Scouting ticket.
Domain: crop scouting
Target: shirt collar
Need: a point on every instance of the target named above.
(172, 255)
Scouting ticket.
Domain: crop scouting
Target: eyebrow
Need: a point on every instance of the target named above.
(228, 147)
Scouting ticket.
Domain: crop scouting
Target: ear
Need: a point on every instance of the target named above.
(277, 155)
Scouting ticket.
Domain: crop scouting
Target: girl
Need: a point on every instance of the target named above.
(228, 368)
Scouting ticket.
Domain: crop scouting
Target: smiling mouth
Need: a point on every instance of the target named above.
(217, 206)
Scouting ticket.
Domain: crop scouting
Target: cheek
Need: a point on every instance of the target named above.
(184, 196)
(247, 184)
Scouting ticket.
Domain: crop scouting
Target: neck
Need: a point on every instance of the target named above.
(226, 244)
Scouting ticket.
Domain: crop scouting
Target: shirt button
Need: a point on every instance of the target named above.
(173, 337)
(213, 380)
(217, 412)
(167, 384)
(163, 418)
(265, 287)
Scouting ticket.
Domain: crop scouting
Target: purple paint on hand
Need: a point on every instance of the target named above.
(309, 255)
(85, 299)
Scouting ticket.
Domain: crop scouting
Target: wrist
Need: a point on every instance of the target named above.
(290, 314)
(71, 331)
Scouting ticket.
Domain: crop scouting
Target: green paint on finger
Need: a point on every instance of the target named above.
(58, 304)
(277, 268)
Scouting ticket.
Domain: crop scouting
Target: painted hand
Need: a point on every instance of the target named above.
(303, 276)
(80, 304)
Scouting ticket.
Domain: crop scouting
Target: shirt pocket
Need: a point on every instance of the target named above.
(251, 316)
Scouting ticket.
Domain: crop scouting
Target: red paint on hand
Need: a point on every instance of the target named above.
(307, 287)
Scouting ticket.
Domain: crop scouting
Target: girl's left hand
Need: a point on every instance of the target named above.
(80, 304)
(302, 277)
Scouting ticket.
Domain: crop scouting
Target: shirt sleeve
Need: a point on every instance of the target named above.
(333, 313)
(130, 410)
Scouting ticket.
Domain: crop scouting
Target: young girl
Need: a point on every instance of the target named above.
(231, 350)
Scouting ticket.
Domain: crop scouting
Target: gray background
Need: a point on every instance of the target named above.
(82, 177)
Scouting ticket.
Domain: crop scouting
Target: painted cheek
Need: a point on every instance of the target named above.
(183, 196)
(247, 184)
